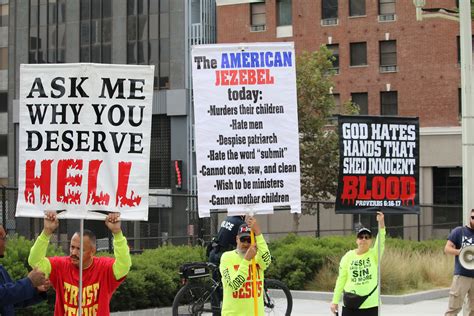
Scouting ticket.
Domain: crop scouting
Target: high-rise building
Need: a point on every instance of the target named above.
(389, 64)
(3, 92)
(149, 32)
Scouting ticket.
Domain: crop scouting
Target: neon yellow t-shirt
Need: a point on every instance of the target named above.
(237, 280)
(358, 273)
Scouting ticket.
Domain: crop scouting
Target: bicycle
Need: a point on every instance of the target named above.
(195, 297)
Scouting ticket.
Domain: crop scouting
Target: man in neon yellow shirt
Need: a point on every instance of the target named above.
(358, 273)
(101, 276)
(236, 271)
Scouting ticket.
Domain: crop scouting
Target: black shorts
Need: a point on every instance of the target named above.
(373, 311)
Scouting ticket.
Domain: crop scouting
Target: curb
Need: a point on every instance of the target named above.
(386, 299)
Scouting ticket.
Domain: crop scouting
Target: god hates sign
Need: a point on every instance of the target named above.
(379, 162)
(84, 140)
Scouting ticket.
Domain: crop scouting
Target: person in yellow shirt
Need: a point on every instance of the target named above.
(357, 281)
(236, 271)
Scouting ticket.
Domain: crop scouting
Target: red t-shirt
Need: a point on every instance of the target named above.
(98, 285)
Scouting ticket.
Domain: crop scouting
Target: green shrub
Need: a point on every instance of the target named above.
(153, 279)
(16, 263)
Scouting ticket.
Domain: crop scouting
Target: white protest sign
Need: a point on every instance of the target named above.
(84, 140)
(246, 124)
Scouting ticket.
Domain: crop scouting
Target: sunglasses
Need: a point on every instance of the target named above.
(367, 237)
(245, 239)
(472, 217)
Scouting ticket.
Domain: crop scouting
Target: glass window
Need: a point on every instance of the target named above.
(447, 190)
(96, 36)
(334, 48)
(329, 9)
(388, 53)
(106, 30)
(33, 13)
(3, 58)
(3, 145)
(107, 8)
(386, 7)
(3, 15)
(142, 27)
(356, 7)
(160, 152)
(164, 25)
(359, 54)
(153, 52)
(61, 11)
(85, 9)
(388, 103)
(132, 53)
(258, 15)
(164, 6)
(95, 9)
(154, 26)
(3, 102)
(52, 12)
(142, 52)
(284, 12)
(362, 100)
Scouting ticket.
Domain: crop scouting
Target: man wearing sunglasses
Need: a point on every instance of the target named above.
(358, 275)
(236, 271)
(463, 279)
(22, 293)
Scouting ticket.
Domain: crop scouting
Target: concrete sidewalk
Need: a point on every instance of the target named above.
(306, 303)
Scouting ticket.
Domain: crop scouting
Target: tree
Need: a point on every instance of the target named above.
(319, 151)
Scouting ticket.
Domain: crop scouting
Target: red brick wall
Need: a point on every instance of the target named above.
(428, 74)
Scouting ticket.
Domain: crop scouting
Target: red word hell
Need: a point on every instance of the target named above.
(390, 188)
(67, 166)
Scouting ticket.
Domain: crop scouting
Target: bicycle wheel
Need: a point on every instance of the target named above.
(195, 299)
(277, 299)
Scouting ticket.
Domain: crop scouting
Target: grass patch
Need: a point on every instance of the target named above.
(404, 270)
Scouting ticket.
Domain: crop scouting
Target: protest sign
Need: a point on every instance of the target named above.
(379, 164)
(246, 123)
(84, 140)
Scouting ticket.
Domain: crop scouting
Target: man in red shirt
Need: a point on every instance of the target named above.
(100, 275)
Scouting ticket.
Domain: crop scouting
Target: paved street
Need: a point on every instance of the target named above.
(303, 307)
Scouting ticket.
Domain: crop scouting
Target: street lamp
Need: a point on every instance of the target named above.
(467, 122)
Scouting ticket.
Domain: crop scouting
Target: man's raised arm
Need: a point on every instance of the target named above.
(37, 257)
(123, 261)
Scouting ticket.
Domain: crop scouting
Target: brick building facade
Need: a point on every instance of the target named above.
(389, 64)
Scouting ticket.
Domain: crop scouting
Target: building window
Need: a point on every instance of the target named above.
(388, 56)
(386, 10)
(284, 12)
(388, 103)
(334, 48)
(47, 31)
(359, 54)
(148, 39)
(4, 145)
(329, 12)
(96, 31)
(3, 58)
(257, 16)
(362, 100)
(356, 7)
(459, 103)
(3, 102)
(160, 152)
(447, 190)
(3, 15)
